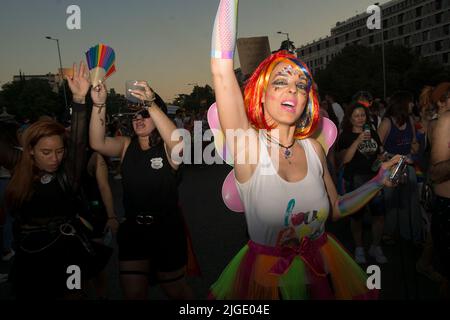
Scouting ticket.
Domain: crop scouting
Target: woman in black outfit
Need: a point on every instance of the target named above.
(152, 238)
(360, 148)
(44, 198)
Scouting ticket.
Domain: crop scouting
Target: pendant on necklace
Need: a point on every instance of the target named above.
(46, 178)
(287, 153)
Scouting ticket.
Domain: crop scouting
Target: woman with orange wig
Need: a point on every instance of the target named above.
(287, 193)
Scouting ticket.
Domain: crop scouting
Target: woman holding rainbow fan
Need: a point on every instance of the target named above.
(287, 193)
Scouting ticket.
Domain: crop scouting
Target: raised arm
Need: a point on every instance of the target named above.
(111, 147)
(230, 103)
(163, 124)
(76, 154)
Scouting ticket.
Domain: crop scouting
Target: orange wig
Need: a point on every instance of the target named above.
(257, 85)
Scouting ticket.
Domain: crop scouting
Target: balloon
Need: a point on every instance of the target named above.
(326, 133)
(230, 194)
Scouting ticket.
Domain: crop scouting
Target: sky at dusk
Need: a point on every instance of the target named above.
(166, 42)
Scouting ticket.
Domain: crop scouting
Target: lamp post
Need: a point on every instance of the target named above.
(382, 52)
(60, 69)
(288, 40)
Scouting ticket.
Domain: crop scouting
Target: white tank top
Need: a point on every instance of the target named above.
(281, 213)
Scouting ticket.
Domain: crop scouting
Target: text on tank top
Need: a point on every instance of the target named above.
(281, 213)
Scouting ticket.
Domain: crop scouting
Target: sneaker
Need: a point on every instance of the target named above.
(377, 254)
(360, 256)
(8, 256)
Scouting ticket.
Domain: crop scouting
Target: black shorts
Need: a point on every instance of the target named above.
(163, 243)
(376, 205)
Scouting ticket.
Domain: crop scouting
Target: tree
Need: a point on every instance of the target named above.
(360, 68)
(201, 97)
(287, 45)
(31, 99)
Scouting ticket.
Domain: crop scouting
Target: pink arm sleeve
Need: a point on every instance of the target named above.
(225, 28)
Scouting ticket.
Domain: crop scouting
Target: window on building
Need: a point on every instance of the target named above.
(321, 60)
(400, 18)
(445, 58)
(438, 4)
(407, 41)
(310, 50)
(425, 35)
(303, 52)
(418, 11)
(446, 29)
(439, 17)
(400, 30)
(418, 24)
(418, 50)
(336, 40)
(438, 45)
(347, 36)
(385, 23)
(385, 35)
(358, 33)
(371, 39)
(327, 44)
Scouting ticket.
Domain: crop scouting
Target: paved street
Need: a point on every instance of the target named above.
(218, 234)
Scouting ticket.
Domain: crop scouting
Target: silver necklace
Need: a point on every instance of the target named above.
(47, 178)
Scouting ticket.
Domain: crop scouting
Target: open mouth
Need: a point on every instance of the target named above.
(289, 105)
(140, 125)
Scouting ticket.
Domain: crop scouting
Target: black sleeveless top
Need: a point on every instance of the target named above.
(47, 202)
(149, 182)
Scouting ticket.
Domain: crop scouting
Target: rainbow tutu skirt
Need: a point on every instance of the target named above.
(319, 269)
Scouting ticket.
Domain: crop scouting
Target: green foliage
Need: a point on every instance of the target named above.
(201, 97)
(31, 99)
(360, 68)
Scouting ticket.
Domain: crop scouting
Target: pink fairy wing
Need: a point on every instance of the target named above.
(326, 133)
(219, 137)
(230, 194)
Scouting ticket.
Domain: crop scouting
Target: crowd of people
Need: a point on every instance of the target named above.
(57, 207)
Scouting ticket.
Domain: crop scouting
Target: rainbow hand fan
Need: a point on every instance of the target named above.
(100, 60)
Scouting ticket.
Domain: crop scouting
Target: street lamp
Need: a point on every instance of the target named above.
(60, 69)
(288, 40)
(382, 52)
